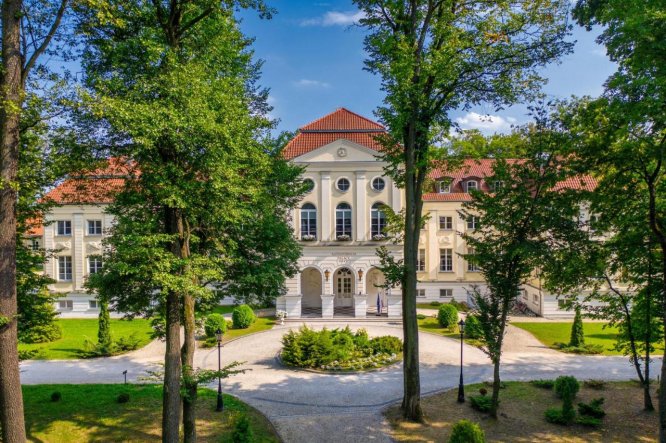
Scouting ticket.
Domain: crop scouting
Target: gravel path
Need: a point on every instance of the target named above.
(308, 407)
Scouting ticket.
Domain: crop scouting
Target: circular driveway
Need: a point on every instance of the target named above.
(306, 406)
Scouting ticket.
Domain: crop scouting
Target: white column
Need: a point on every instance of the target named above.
(78, 251)
(325, 205)
(361, 207)
(395, 197)
(50, 265)
(395, 303)
(293, 305)
(360, 305)
(327, 306)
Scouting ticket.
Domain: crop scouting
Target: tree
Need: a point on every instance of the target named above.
(104, 331)
(28, 29)
(630, 121)
(526, 228)
(434, 57)
(577, 339)
(173, 86)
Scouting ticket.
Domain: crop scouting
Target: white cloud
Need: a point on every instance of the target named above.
(334, 18)
(307, 83)
(485, 123)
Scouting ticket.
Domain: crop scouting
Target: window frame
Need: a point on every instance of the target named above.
(472, 223)
(343, 220)
(68, 305)
(468, 182)
(66, 228)
(90, 304)
(309, 188)
(449, 220)
(94, 225)
(420, 293)
(380, 179)
(448, 290)
(337, 184)
(310, 221)
(445, 257)
(421, 261)
(444, 187)
(65, 261)
(95, 259)
(377, 220)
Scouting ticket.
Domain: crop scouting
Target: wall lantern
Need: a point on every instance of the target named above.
(360, 274)
(327, 274)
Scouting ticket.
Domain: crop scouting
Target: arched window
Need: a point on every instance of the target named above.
(377, 220)
(444, 187)
(308, 222)
(471, 184)
(343, 221)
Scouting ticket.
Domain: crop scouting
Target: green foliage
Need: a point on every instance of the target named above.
(56, 396)
(421, 316)
(447, 316)
(555, 416)
(435, 303)
(123, 397)
(544, 384)
(461, 306)
(338, 349)
(104, 339)
(120, 346)
(577, 339)
(481, 403)
(586, 420)
(566, 388)
(36, 319)
(589, 349)
(243, 316)
(29, 354)
(465, 431)
(592, 409)
(473, 327)
(213, 323)
(242, 431)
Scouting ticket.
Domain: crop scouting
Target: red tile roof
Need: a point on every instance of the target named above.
(95, 186)
(35, 228)
(340, 124)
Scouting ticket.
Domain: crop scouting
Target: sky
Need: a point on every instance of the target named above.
(313, 64)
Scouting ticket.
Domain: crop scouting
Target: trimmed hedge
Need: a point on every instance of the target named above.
(242, 317)
(447, 316)
(465, 431)
(213, 322)
(473, 327)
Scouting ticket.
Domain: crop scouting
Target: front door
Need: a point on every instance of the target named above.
(344, 292)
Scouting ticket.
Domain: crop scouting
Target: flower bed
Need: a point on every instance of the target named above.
(339, 349)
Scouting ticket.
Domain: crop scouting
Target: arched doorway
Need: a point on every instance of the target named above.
(374, 280)
(311, 288)
(343, 287)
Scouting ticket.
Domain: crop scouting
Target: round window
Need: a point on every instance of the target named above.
(378, 184)
(309, 185)
(343, 184)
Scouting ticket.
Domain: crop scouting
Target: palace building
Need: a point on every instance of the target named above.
(340, 224)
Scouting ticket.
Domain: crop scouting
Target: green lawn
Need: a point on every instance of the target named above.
(76, 331)
(223, 309)
(550, 333)
(89, 413)
(426, 306)
(261, 324)
(430, 324)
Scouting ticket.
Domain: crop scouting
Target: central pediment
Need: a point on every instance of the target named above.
(341, 150)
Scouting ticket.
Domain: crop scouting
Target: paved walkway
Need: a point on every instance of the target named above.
(307, 407)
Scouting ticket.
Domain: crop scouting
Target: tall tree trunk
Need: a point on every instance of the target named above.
(11, 398)
(411, 401)
(172, 359)
(497, 382)
(187, 355)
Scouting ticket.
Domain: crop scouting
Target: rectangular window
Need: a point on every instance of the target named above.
(92, 304)
(66, 304)
(471, 267)
(94, 264)
(420, 292)
(34, 244)
(446, 293)
(472, 222)
(420, 264)
(64, 227)
(65, 268)
(535, 297)
(445, 223)
(446, 260)
(94, 227)
(308, 223)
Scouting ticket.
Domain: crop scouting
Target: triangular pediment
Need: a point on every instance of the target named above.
(341, 150)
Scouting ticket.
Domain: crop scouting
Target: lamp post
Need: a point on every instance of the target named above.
(461, 386)
(220, 401)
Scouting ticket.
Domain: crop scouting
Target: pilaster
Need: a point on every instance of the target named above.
(78, 251)
(325, 205)
(361, 209)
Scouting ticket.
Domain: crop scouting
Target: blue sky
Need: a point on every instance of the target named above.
(313, 64)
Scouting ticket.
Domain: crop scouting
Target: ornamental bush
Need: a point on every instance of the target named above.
(577, 339)
(481, 403)
(447, 316)
(466, 431)
(386, 344)
(242, 317)
(473, 327)
(566, 388)
(242, 431)
(213, 323)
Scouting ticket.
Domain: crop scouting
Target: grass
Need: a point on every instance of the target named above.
(522, 416)
(76, 331)
(430, 324)
(261, 324)
(596, 333)
(89, 413)
(223, 309)
(426, 306)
